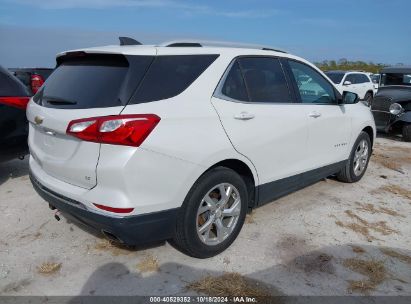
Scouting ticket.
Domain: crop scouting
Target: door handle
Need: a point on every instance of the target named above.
(244, 116)
(314, 114)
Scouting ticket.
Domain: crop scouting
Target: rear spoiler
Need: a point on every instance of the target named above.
(92, 58)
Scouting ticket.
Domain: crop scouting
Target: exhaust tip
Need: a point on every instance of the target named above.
(111, 236)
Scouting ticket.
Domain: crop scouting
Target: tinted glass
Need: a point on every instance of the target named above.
(363, 78)
(350, 78)
(335, 77)
(234, 86)
(169, 76)
(316, 89)
(395, 79)
(92, 82)
(265, 80)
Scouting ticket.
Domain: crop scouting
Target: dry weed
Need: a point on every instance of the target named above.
(374, 271)
(229, 284)
(148, 264)
(357, 249)
(48, 268)
(113, 247)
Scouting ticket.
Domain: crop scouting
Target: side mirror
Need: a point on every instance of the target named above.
(347, 83)
(349, 98)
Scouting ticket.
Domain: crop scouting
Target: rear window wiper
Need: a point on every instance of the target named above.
(58, 100)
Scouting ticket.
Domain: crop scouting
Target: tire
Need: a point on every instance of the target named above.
(349, 174)
(368, 99)
(406, 132)
(188, 235)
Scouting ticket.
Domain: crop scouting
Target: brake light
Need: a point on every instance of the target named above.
(36, 83)
(114, 210)
(127, 130)
(17, 102)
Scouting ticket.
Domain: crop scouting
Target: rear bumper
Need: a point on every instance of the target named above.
(131, 230)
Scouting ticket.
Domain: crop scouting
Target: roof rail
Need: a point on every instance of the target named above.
(128, 41)
(207, 43)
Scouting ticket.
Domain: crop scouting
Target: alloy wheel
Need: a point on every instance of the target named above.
(360, 157)
(218, 214)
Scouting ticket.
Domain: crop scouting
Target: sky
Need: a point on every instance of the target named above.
(32, 32)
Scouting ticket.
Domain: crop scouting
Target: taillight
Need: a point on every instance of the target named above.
(127, 130)
(17, 102)
(36, 82)
(114, 210)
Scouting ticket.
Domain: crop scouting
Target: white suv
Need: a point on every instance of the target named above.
(177, 142)
(357, 82)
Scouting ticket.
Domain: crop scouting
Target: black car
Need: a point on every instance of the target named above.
(14, 97)
(32, 78)
(392, 103)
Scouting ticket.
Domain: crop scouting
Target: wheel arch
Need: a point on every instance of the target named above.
(371, 92)
(245, 172)
(370, 131)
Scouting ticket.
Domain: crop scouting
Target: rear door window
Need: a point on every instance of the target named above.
(265, 80)
(234, 86)
(169, 76)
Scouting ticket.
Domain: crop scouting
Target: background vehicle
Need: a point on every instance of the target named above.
(356, 82)
(178, 141)
(14, 97)
(33, 78)
(392, 104)
(375, 78)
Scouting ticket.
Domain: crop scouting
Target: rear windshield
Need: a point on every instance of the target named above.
(396, 79)
(335, 77)
(90, 81)
(97, 81)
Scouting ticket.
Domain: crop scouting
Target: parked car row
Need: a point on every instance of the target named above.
(178, 141)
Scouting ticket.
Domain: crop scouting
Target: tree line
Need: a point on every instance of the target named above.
(344, 64)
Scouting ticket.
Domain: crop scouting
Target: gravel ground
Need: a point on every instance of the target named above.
(328, 239)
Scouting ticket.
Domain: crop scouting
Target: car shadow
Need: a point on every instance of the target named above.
(346, 270)
(13, 169)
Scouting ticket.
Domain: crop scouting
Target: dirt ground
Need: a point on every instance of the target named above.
(328, 239)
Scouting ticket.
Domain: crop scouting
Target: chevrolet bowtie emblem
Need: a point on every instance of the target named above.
(38, 120)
